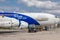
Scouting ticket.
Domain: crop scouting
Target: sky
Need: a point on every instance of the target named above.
(35, 6)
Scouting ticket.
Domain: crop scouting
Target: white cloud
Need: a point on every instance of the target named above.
(51, 7)
(38, 4)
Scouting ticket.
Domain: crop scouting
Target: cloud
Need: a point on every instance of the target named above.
(38, 3)
(2, 0)
(48, 6)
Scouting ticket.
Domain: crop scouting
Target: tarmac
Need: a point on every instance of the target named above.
(24, 35)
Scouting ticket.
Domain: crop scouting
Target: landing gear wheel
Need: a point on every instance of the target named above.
(32, 30)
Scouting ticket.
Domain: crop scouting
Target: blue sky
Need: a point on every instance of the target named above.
(46, 6)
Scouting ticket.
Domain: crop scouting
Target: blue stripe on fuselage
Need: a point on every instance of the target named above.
(21, 17)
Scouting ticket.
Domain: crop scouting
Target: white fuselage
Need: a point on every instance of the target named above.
(42, 18)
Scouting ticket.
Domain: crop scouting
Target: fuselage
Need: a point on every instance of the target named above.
(26, 19)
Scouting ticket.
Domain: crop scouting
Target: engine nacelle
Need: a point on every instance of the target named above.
(4, 22)
(23, 24)
(15, 23)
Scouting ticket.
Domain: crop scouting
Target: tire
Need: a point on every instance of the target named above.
(32, 30)
(29, 30)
